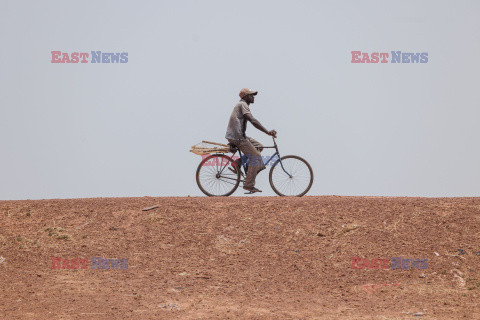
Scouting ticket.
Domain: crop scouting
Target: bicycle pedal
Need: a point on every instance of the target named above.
(249, 192)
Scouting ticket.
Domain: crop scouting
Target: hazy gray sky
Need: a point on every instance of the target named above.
(102, 130)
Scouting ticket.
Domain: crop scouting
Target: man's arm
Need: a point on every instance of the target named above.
(258, 125)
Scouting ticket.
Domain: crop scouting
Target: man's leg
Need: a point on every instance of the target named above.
(256, 144)
(259, 147)
(254, 161)
(238, 162)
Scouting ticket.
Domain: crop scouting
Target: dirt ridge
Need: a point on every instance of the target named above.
(240, 258)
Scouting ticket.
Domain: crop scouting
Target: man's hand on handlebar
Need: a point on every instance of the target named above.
(272, 133)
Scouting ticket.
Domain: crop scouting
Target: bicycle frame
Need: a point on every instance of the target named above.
(277, 153)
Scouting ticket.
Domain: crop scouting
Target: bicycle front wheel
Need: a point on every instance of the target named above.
(215, 177)
(293, 179)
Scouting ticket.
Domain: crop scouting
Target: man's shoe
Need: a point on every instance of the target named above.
(251, 190)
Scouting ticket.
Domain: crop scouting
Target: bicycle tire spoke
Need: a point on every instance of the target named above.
(298, 181)
(215, 179)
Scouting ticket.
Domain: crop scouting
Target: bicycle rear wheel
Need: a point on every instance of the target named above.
(297, 179)
(215, 179)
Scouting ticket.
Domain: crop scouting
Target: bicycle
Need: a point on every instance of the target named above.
(215, 177)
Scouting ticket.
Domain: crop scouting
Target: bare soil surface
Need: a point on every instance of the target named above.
(240, 258)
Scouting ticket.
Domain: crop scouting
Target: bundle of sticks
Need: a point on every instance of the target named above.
(206, 147)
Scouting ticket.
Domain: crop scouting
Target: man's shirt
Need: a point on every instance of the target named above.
(238, 123)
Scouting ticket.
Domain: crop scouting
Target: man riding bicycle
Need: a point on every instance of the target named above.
(237, 126)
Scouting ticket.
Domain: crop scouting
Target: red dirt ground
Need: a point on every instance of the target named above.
(240, 258)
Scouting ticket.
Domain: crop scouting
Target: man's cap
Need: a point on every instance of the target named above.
(245, 91)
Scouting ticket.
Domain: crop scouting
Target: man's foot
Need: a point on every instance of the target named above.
(238, 162)
(251, 190)
(236, 165)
